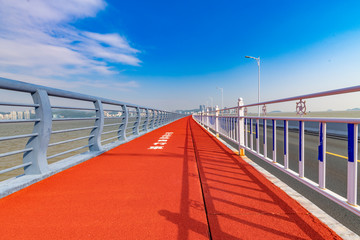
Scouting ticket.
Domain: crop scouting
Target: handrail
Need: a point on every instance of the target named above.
(245, 131)
(312, 95)
(14, 85)
(300, 97)
(35, 159)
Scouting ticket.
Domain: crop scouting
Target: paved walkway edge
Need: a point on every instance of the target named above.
(332, 223)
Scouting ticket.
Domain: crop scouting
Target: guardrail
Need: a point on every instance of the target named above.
(237, 127)
(108, 122)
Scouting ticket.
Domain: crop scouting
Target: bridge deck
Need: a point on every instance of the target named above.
(136, 192)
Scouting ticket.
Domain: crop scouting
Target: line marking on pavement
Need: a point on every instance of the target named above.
(162, 141)
(338, 155)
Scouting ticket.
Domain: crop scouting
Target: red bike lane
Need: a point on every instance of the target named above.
(149, 188)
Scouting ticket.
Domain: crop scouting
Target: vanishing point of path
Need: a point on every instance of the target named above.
(177, 182)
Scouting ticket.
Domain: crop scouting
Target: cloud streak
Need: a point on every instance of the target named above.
(37, 39)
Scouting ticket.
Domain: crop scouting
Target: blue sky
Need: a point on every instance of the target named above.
(173, 55)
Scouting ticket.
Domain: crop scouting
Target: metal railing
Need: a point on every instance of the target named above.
(126, 122)
(236, 126)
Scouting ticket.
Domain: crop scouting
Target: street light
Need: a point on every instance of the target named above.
(222, 97)
(258, 63)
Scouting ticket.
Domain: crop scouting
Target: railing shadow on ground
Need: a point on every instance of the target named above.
(182, 219)
(204, 157)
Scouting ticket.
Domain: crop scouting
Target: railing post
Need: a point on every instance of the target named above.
(322, 155)
(146, 122)
(161, 118)
(157, 123)
(257, 135)
(246, 132)
(201, 117)
(151, 123)
(265, 138)
(95, 141)
(207, 118)
(37, 157)
(352, 164)
(124, 123)
(241, 127)
(217, 121)
(286, 144)
(137, 122)
(251, 134)
(155, 116)
(301, 149)
(274, 140)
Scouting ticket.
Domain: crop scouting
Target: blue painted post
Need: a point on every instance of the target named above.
(37, 157)
(286, 144)
(352, 164)
(265, 137)
(95, 141)
(233, 136)
(322, 155)
(257, 136)
(246, 133)
(301, 150)
(251, 135)
(227, 128)
(274, 140)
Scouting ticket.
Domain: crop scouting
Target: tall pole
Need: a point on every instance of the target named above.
(258, 63)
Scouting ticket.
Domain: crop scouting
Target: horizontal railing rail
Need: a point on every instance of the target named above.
(252, 133)
(123, 122)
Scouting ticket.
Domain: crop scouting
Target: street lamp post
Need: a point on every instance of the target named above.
(258, 63)
(222, 97)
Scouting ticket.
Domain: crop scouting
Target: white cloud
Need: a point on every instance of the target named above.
(38, 40)
(112, 40)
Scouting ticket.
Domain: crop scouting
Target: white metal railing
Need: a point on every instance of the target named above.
(130, 121)
(234, 125)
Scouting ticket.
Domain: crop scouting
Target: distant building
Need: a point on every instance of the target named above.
(20, 115)
(13, 115)
(27, 114)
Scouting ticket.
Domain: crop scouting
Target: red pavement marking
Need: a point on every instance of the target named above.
(130, 192)
(242, 204)
(133, 192)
